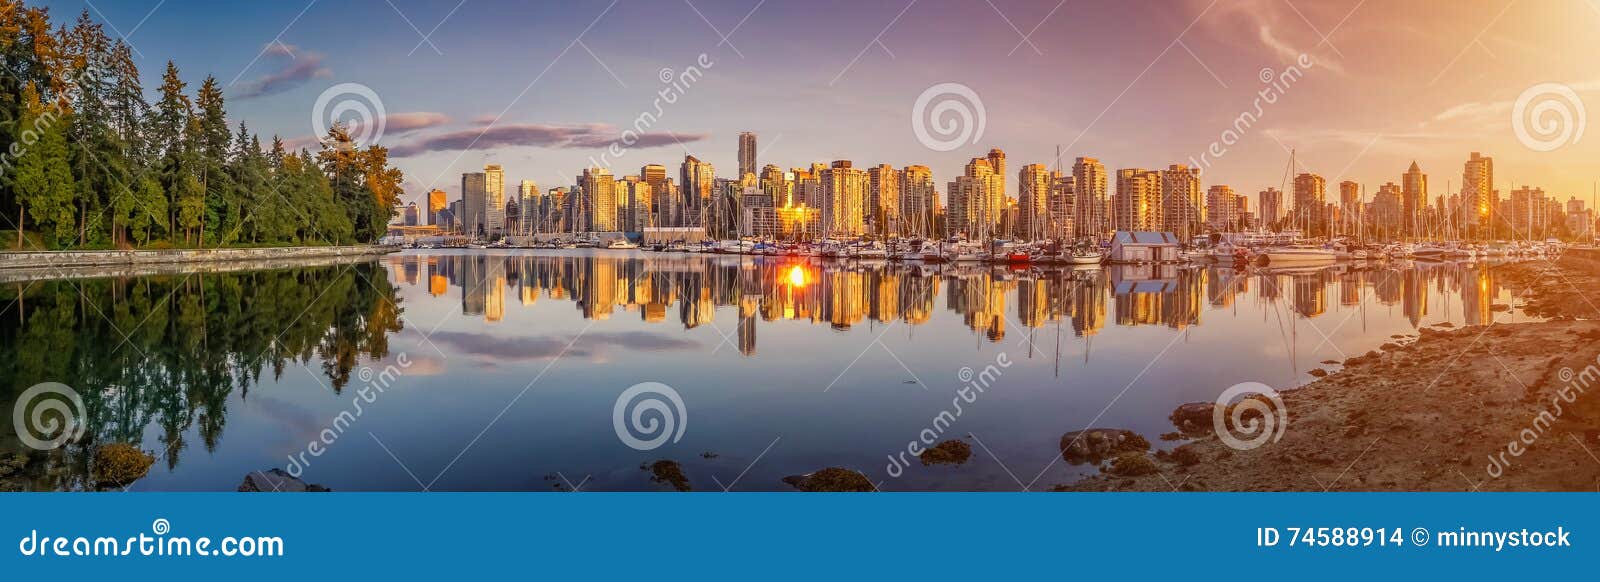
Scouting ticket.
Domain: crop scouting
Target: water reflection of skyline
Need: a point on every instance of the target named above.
(991, 300)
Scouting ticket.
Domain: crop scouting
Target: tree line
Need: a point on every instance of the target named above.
(91, 164)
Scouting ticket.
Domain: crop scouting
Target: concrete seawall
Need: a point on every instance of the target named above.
(28, 260)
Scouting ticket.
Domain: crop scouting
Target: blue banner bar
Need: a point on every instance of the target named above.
(966, 536)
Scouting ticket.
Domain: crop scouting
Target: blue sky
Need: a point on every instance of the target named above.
(1136, 83)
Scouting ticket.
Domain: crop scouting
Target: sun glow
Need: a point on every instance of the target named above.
(797, 276)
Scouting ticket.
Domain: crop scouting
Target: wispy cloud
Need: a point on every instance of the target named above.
(578, 136)
(298, 66)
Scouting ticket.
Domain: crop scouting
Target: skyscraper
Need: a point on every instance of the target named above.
(1271, 206)
(1060, 206)
(436, 203)
(917, 200)
(1310, 198)
(1137, 204)
(1413, 196)
(661, 201)
(697, 180)
(883, 199)
(528, 206)
(1478, 196)
(747, 153)
(1349, 205)
(1092, 203)
(1224, 212)
(599, 200)
(494, 185)
(997, 162)
(976, 200)
(474, 204)
(1182, 201)
(844, 194)
(1034, 183)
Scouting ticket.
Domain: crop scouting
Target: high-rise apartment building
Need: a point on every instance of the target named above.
(1092, 198)
(494, 185)
(598, 201)
(1310, 198)
(436, 203)
(1183, 208)
(1034, 184)
(883, 199)
(844, 199)
(1270, 211)
(1413, 197)
(917, 200)
(1478, 196)
(474, 204)
(1059, 206)
(1224, 209)
(1137, 203)
(976, 200)
(747, 153)
(697, 184)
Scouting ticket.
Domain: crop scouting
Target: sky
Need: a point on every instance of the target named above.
(543, 87)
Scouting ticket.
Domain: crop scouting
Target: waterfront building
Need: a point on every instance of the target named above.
(747, 153)
(883, 199)
(1034, 185)
(1413, 197)
(474, 204)
(494, 186)
(696, 184)
(1182, 200)
(844, 197)
(1091, 200)
(1478, 196)
(1270, 211)
(1310, 199)
(1137, 204)
(1224, 209)
(917, 201)
(436, 203)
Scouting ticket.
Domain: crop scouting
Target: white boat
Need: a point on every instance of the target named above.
(1298, 254)
(1085, 257)
(871, 251)
(621, 243)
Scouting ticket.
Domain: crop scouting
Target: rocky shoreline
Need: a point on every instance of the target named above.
(1501, 407)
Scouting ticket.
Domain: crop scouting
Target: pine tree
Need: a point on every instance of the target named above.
(43, 181)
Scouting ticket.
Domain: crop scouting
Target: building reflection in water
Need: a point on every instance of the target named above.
(991, 300)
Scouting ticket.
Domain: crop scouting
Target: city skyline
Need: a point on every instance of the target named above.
(1362, 109)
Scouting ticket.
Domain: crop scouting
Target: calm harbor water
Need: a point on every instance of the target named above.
(501, 370)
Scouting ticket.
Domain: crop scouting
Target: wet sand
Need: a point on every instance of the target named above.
(1501, 407)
